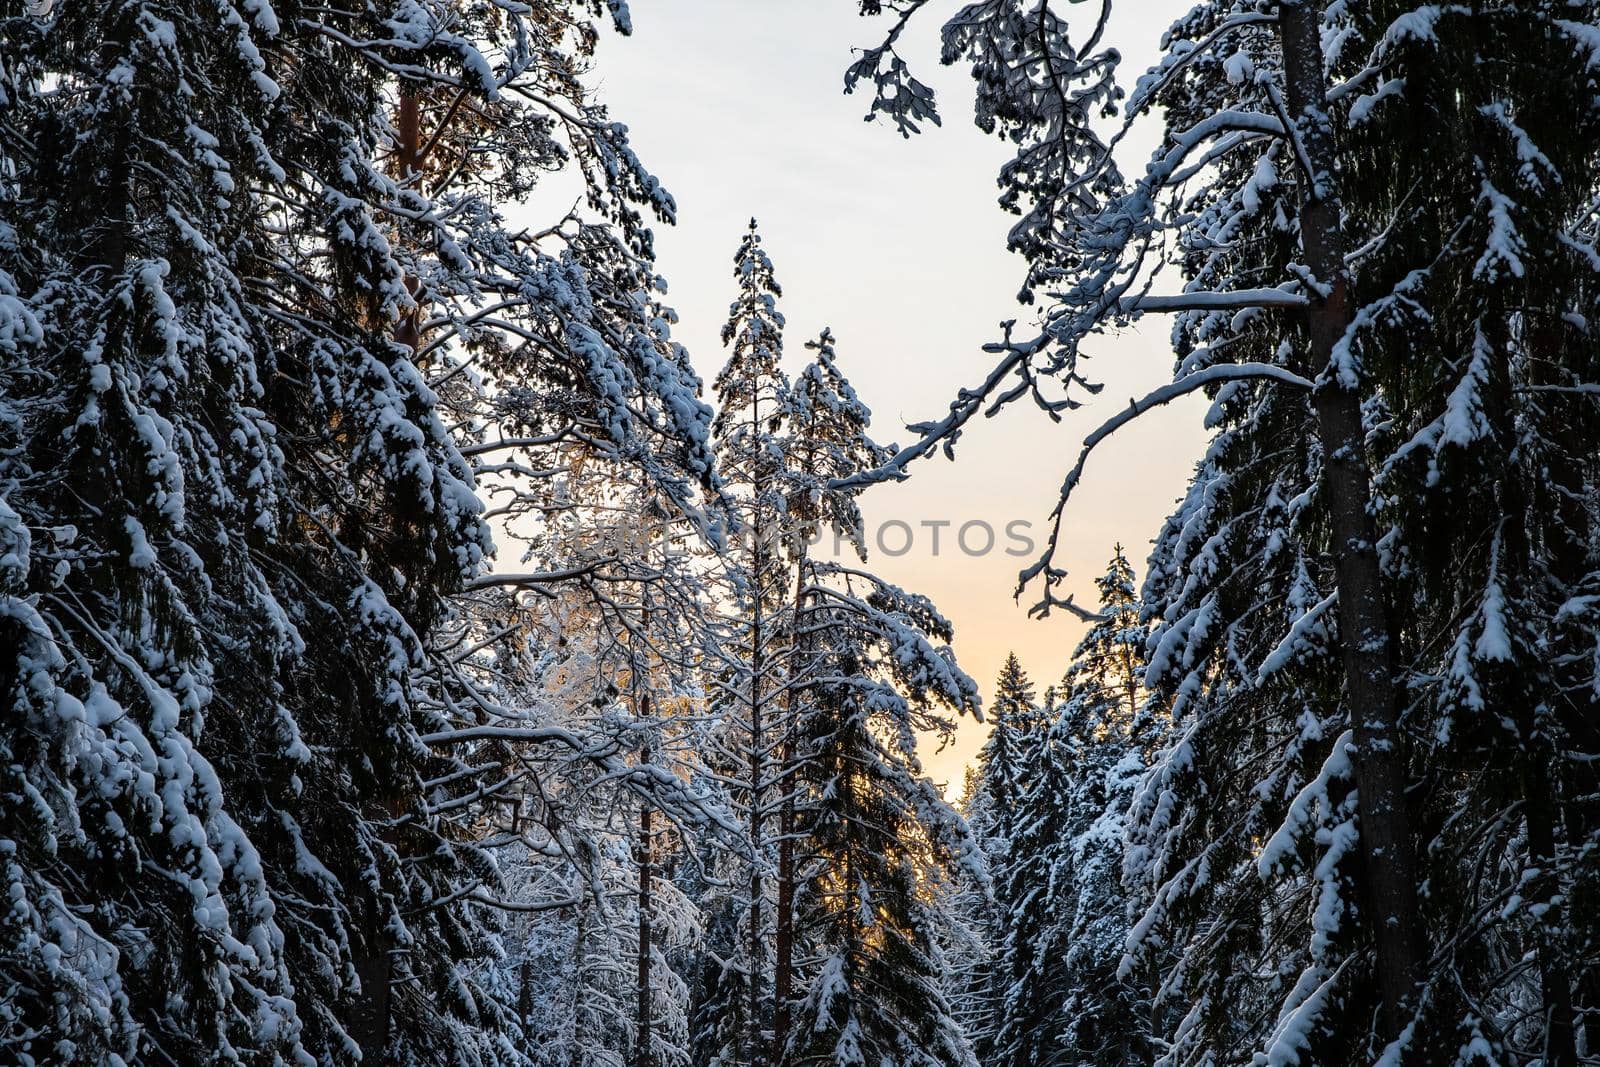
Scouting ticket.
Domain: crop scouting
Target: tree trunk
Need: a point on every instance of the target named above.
(370, 1021)
(1555, 980)
(525, 992)
(1389, 876)
(642, 853)
(758, 532)
(642, 1033)
(753, 1037)
(410, 153)
(783, 965)
(374, 959)
(580, 968)
(408, 165)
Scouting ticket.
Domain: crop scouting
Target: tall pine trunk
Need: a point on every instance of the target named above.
(643, 855)
(644, 1024)
(374, 962)
(783, 963)
(408, 166)
(757, 739)
(753, 984)
(1389, 876)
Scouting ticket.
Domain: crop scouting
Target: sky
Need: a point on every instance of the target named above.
(898, 246)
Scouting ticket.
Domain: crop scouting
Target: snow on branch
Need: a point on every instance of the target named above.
(1238, 299)
(533, 579)
(969, 402)
(1149, 86)
(677, 798)
(1223, 372)
(948, 429)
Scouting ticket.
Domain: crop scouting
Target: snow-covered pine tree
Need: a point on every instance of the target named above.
(753, 401)
(562, 326)
(593, 707)
(617, 668)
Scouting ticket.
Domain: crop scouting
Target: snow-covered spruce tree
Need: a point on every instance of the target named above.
(1027, 837)
(1261, 252)
(217, 670)
(1439, 324)
(714, 876)
(966, 943)
(826, 439)
(1005, 768)
(780, 444)
(1436, 333)
(1095, 744)
(1015, 718)
(717, 994)
(1484, 260)
(1243, 658)
(242, 508)
(878, 840)
(1060, 919)
(1106, 676)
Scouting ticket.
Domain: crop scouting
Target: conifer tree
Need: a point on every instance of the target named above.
(753, 399)
(231, 332)
(211, 590)
(826, 440)
(1061, 908)
(1492, 274)
(785, 449)
(879, 840)
(1333, 656)
(1102, 729)
(1002, 762)
(968, 944)
(1033, 890)
(1007, 765)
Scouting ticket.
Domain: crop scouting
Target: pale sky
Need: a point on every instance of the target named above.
(737, 106)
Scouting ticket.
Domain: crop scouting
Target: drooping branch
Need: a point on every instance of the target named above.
(535, 579)
(1216, 375)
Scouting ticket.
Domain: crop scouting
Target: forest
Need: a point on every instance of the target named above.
(411, 654)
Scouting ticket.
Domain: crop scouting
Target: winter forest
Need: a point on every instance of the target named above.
(412, 654)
